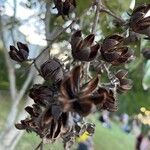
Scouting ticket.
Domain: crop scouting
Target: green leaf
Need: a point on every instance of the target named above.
(146, 78)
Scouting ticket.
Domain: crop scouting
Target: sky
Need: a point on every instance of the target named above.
(32, 28)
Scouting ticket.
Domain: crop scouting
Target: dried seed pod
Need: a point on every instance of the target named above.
(20, 54)
(42, 95)
(52, 70)
(109, 101)
(104, 98)
(146, 53)
(74, 96)
(124, 83)
(140, 19)
(114, 52)
(83, 49)
(49, 124)
(65, 7)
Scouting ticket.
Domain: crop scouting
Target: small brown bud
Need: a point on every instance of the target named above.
(20, 54)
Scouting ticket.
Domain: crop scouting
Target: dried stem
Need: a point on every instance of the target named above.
(103, 8)
(96, 17)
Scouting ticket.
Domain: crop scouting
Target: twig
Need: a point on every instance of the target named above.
(109, 12)
(103, 8)
(96, 17)
(51, 41)
(55, 38)
(39, 146)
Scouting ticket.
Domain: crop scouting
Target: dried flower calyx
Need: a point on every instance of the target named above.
(140, 19)
(83, 49)
(45, 123)
(42, 95)
(108, 99)
(124, 83)
(75, 96)
(114, 51)
(52, 70)
(20, 54)
(46, 117)
(64, 7)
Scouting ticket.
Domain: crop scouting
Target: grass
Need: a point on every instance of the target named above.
(104, 139)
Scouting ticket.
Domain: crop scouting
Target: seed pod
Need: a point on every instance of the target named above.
(114, 52)
(52, 70)
(124, 83)
(65, 7)
(140, 20)
(107, 100)
(83, 49)
(42, 95)
(76, 97)
(20, 54)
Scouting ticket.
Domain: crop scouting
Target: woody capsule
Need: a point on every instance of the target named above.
(140, 19)
(83, 49)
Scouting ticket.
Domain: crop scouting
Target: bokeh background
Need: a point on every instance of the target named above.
(35, 22)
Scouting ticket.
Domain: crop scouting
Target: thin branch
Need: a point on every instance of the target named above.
(53, 39)
(104, 9)
(10, 68)
(96, 17)
(14, 109)
(109, 12)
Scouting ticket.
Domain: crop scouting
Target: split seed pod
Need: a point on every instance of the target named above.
(125, 84)
(140, 19)
(20, 54)
(83, 49)
(113, 51)
(74, 96)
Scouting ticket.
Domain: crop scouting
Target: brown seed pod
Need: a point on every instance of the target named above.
(140, 20)
(124, 83)
(113, 50)
(20, 54)
(74, 96)
(109, 100)
(52, 70)
(65, 7)
(42, 95)
(83, 49)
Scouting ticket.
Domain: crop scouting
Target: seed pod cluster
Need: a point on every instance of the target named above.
(83, 99)
(114, 51)
(69, 95)
(83, 49)
(46, 117)
(20, 54)
(140, 19)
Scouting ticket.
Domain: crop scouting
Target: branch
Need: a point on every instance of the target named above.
(54, 37)
(13, 21)
(104, 9)
(10, 68)
(96, 17)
